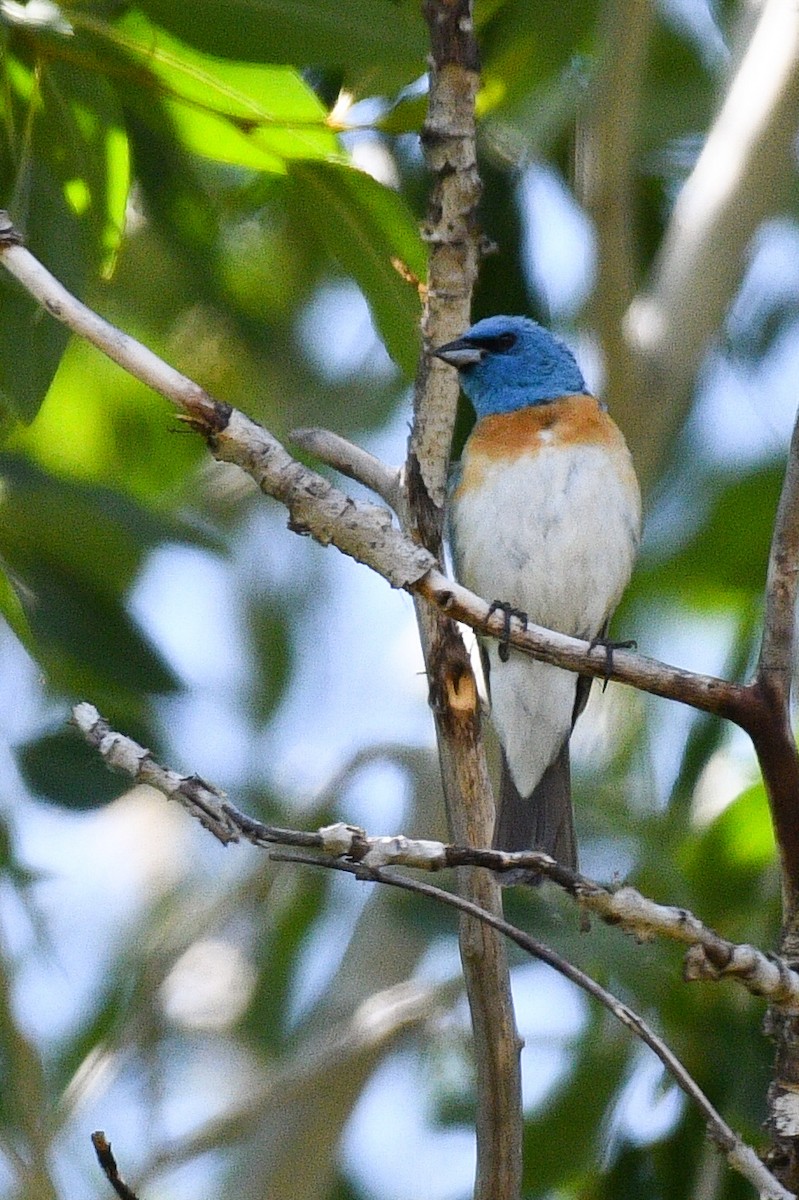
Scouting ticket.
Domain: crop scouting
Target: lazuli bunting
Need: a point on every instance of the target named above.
(546, 517)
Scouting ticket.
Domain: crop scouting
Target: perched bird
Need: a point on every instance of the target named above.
(545, 516)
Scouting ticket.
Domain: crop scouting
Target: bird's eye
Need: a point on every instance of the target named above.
(506, 341)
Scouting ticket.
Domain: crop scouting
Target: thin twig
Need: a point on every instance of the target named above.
(739, 1155)
(710, 957)
(352, 461)
(102, 1148)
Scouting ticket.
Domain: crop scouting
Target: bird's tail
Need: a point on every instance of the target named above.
(541, 821)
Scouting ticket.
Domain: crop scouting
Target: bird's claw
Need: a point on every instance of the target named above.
(507, 611)
(610, 647)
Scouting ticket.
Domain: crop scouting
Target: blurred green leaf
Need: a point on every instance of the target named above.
(294, 907)
(368, 229)
(715, 559)
(740, 840)
(379, 44)
(580, 1106)
(12, 610)
(61, 768)
(242, 114)
(76, 550)
(270, 630)
(64, 179)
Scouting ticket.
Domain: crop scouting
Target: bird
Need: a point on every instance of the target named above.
(544, 516)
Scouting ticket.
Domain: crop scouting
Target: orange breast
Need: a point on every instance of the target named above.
(565, 422)
(570, 421)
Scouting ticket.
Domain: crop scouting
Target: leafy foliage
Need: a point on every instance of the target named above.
(184, 169)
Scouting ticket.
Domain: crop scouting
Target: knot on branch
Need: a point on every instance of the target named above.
(9, 234)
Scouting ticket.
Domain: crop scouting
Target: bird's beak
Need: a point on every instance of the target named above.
(460, 353)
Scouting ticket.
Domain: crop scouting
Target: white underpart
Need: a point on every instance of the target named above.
(555, 535)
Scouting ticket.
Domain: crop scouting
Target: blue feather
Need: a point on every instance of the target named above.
(507, 363)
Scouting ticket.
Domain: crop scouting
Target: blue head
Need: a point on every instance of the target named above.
(507, 363)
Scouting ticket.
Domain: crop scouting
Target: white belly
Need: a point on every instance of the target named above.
(555, 535)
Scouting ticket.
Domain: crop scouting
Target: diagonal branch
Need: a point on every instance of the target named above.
(363, 531)
(344, 848)
(740, 1156)
(741, 178)
(352, 461)
(710, 957)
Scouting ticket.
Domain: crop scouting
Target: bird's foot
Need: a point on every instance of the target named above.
(610, 647)
(507, 611)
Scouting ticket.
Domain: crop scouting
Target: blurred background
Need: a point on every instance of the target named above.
(230, 183)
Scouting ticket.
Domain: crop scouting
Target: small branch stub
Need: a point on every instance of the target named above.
(102, 1148)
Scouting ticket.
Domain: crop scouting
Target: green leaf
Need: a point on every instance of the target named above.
(248, 115)
(577, 1112)
(379, 44)
(11, 608)
(741, 838)
(66, 191)
(368, 229)
(76, 550)
(86, 640)
(91, 149)
(729, 551)
(61, 768)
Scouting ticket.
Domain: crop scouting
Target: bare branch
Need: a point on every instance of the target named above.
(775, 744)
(352, 461)
(741, 177)
(704, 692)
(102, 1148)
(121, 753)
(363, 531)
(711, 957)
(347, 848)
(452, 232)
(739, 1155)
(123, 349)
(776, 665)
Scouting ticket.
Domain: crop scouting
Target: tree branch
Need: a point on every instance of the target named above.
(451, 231)
(345, 848)
(367, 533)
(776, 663)
(738, 1154)
(604, 182)
(102, 1148)
(363, 531)
(352, 461)
(710, 956)
(741, 177)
